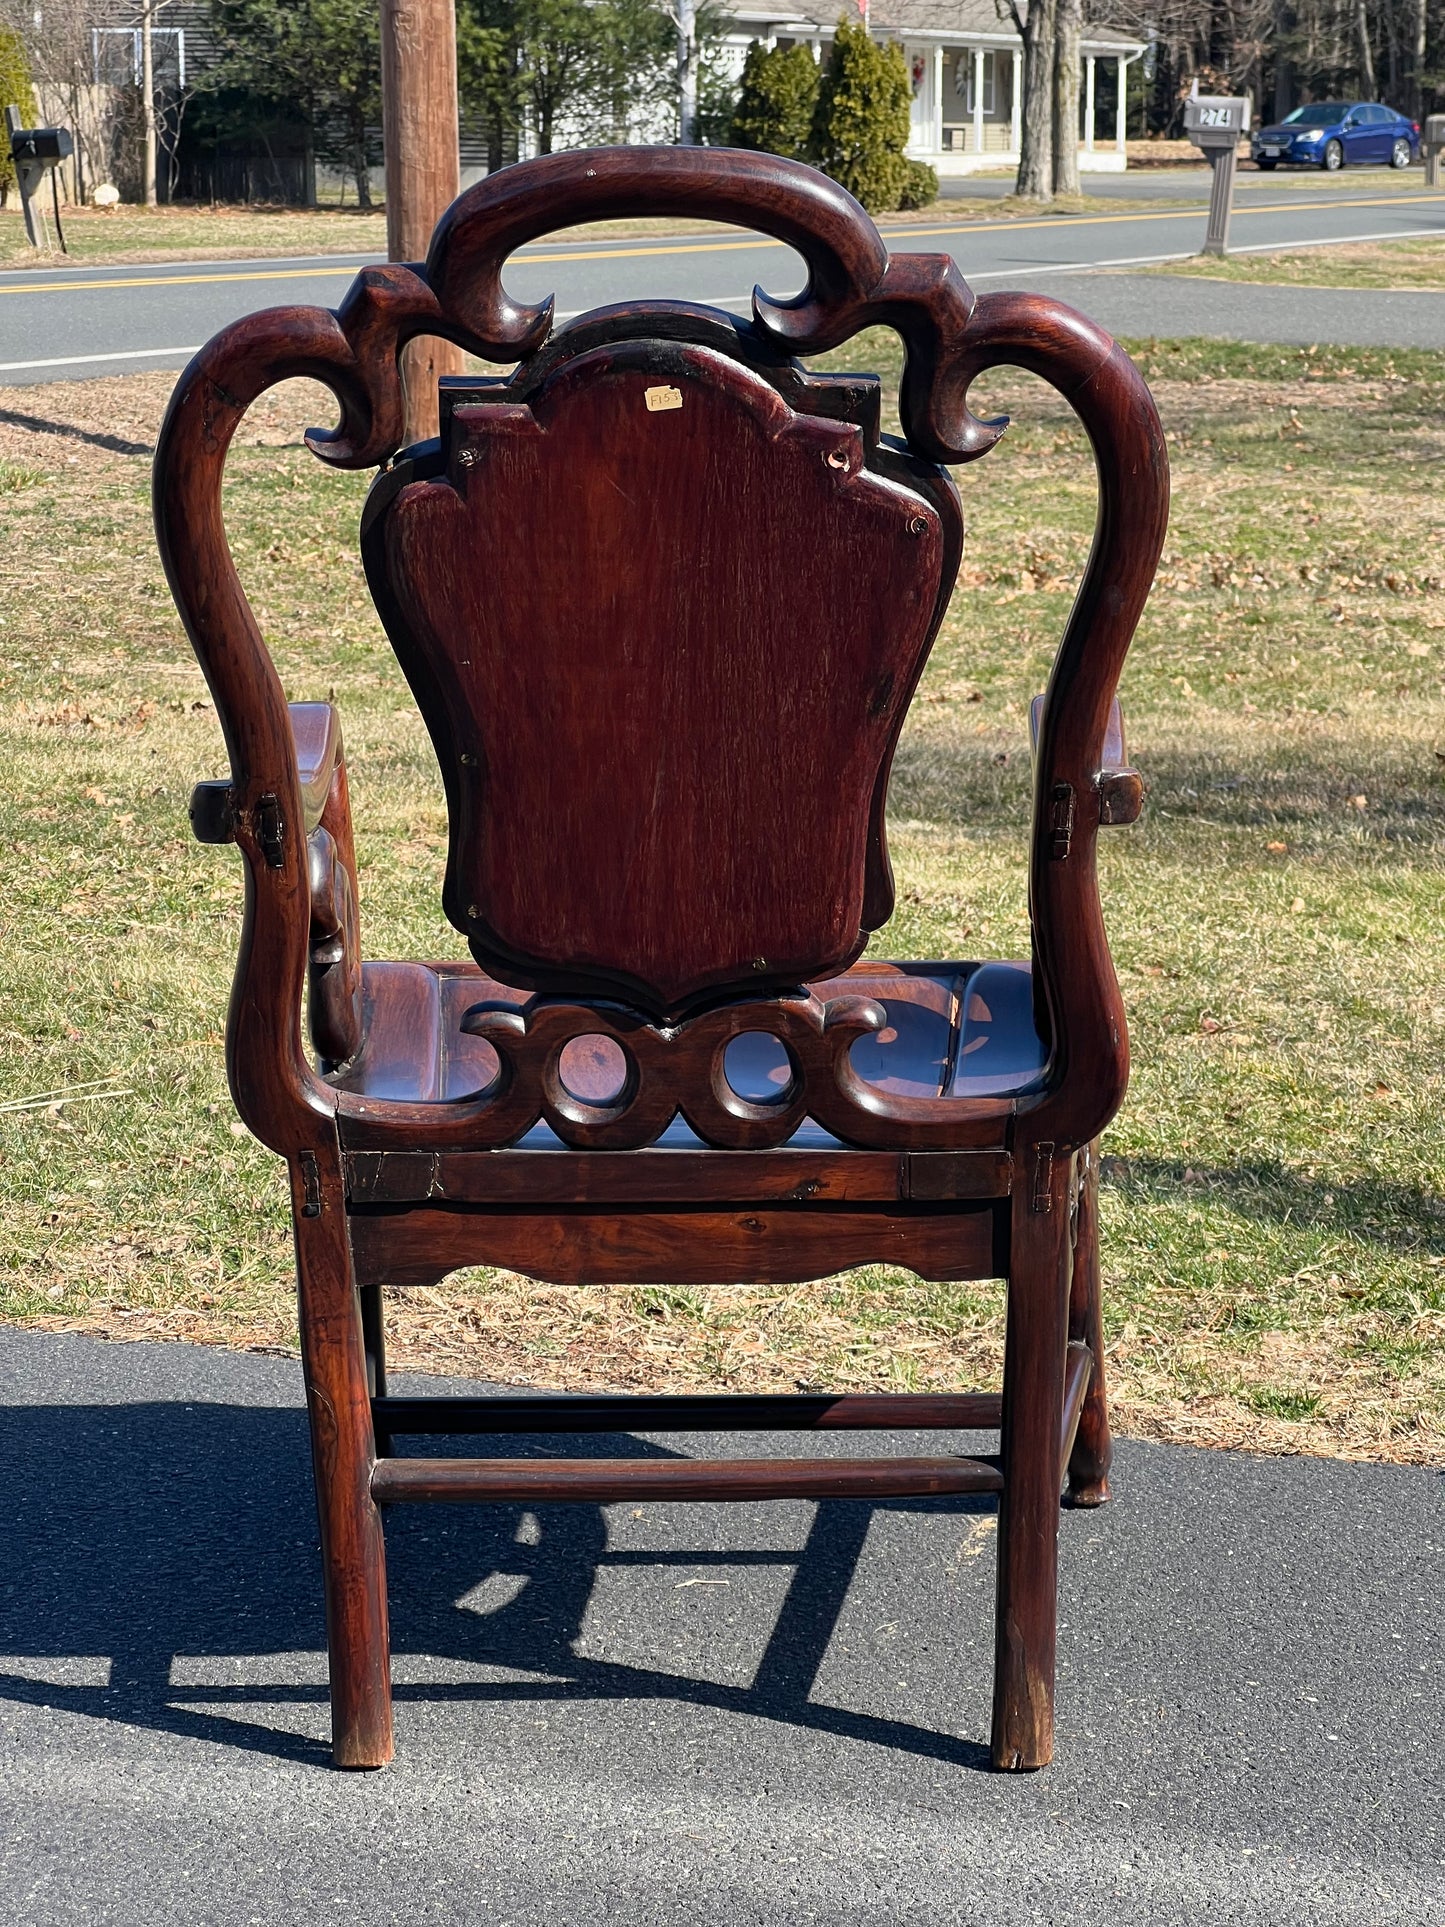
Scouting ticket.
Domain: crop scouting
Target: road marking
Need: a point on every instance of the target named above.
(963, 227)
(986, 274)
(1254, 247)
(747, 245)
(80, 361)
(171, 280)
(1157, 214)
(1338, 240)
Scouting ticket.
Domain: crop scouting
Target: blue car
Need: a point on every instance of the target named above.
(1332, 133)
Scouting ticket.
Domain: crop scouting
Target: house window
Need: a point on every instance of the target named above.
(963, 73)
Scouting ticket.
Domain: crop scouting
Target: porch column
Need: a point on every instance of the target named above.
(938, 99)
(817, 45)
(1121, 109)
(1089, 104)
(978, 100)
(1015, 134)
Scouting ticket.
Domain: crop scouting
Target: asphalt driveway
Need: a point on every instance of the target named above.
(683, 1714)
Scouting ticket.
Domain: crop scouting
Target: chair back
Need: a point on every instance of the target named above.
(663, 611)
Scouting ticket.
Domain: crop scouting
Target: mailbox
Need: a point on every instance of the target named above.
(46, 146)
(36, 152)
(1216, 120)
(1216, 123)
(1433, 144)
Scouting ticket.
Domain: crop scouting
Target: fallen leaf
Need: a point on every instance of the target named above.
(1276, 849)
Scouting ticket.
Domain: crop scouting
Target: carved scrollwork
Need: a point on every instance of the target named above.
(667, 1071)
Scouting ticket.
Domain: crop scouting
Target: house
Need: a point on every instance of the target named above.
(967, 67)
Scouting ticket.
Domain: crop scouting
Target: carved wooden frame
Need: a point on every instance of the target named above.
(949, 338)
(1017, 1196)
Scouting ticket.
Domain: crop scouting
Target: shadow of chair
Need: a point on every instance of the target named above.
(186, 1559)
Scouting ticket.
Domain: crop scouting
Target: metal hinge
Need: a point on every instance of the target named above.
(310, 1185)
(1061, 818)
(1043, 1192)
(271, 830)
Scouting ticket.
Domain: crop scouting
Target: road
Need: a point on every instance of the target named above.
(692, 1716)
(68, 323)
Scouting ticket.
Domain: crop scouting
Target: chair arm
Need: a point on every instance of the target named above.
(333, 969)
(1120, 788)
(334, 939)
(316, 741)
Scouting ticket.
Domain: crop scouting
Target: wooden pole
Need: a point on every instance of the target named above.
(423, 168)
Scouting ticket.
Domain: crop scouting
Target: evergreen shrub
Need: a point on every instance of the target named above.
(776, 101)
(861, 123)
(920, 185)
(16, 90)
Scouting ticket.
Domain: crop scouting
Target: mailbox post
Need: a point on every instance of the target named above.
(1216, 123)
(1434, 146)
(36, 152)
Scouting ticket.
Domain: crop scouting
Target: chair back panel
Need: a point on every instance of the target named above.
(664, 626)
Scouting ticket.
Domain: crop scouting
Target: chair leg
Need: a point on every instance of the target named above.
(343, 1454)
(1093, 1444)
(373, 1333)
(1033, 1393)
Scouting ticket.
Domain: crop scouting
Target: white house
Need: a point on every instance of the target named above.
(967, 67)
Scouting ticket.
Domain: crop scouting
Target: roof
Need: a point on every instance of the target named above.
(911, 20)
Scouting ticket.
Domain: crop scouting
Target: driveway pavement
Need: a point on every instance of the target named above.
(692, 1715)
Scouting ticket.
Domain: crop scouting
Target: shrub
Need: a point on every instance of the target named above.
(861, 123)
(778, 95)
(920, 185)
(15, 91)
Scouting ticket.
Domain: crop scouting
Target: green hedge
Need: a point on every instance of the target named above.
(776, 102)
(920, 185)
(861, 122)
(15, 91)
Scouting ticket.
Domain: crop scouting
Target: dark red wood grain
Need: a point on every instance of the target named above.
(763, 1244)
(599, 1481)
(657, 567)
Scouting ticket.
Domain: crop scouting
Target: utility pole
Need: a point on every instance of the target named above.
(148, 99)
(423, 169)
(687, 73)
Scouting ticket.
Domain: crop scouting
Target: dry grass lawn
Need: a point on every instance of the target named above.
(1274, 1197)
(1386, 265)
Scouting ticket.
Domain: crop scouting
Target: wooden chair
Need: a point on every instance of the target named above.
(663, 597)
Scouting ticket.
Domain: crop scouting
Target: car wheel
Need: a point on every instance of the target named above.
(1400, 154)
(1266, 167)
(1334, 157)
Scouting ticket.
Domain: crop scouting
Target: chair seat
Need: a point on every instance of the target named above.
(953, 1030)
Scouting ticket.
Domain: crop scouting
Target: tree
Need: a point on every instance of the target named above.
(1036, 25)
(320, 57)
(862, 121)
(487, 88)
(1068, 25)
(1283, 52)
(776, 101)
(566, 70)
(58, 38)
(15, 91)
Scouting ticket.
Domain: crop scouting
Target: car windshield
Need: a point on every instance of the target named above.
(1323, 113)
